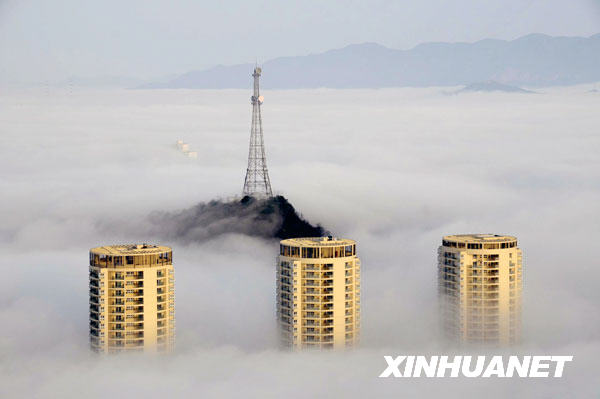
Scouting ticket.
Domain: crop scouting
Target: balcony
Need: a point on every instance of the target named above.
(139, 327)
(117, 327)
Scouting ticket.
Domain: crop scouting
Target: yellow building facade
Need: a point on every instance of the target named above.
(480, 280)
(132, 298)
(318, 293)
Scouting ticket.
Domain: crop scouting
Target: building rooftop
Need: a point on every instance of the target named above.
(130, 249)
(479, 238)
(317, 241)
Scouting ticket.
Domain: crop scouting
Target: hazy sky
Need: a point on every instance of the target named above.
(44, 41)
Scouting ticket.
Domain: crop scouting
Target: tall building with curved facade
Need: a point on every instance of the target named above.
(480, 280)
(318, 293)
(132, 298)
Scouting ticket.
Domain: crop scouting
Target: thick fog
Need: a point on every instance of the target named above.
(393, 169)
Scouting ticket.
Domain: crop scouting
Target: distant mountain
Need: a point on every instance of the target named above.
(533, 60)
(491, 85)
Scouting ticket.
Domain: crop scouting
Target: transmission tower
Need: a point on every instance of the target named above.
(257, 181)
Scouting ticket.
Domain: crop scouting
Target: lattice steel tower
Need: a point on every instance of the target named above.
(257, 181)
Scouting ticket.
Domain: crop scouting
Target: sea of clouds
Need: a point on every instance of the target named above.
(394, 169)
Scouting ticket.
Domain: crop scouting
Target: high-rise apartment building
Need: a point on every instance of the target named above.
(318, 292)
(480, 280)
(132, 298)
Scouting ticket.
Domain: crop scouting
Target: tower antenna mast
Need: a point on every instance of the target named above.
(257, 182)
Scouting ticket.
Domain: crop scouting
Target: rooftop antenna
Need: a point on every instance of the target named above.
(257, 182)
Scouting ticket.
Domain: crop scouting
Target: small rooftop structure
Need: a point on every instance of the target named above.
(328, 241)
(130, 249)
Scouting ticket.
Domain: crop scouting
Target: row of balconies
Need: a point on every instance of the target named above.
(120, 336)
(483, 296)
(313, 299)
(483, 326)
(483, 302)
(317, 338)
(448, 271)
(318, 275)
(317, 314)
(310, 306)
(484, 280)
(317, 291)
(483, 310)
(312, 283)
(483, 287)
(134, 275)
(318, 267)
(317, 331)
(486, 273)
(486, 318)
(449, 262)
(317, 323)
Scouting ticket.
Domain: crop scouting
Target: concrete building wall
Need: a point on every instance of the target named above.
(480, 287)
(132, 298)
(318, 293)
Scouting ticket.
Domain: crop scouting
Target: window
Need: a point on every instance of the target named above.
(310, 252)
(348, 250)
(129, 260)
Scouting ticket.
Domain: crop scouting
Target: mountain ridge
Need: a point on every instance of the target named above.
(531, 60)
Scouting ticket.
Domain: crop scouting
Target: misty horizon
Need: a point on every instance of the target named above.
(135, 81)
